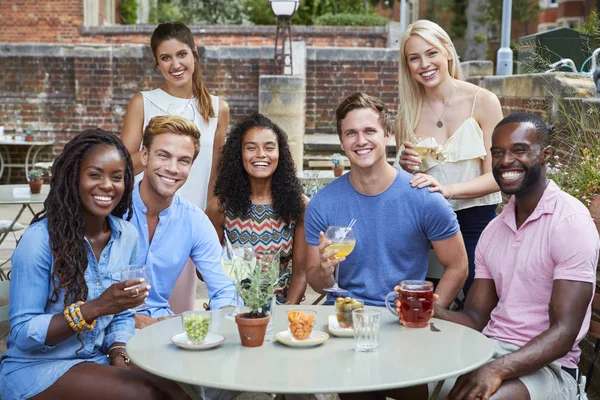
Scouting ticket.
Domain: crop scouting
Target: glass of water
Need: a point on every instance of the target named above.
(136, 271)
(366, 329)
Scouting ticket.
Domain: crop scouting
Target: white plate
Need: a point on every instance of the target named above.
(315, 338)
(336, 330)
(211, 340)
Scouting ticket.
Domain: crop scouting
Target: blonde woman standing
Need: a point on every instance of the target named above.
(436, 103)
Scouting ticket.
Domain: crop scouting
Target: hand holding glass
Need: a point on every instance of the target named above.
(422, 146)
(416, 303)
(342, 239)
(136, 271)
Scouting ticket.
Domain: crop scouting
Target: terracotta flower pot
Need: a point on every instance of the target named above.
(252, 330)
(338, 171)
(35, 187)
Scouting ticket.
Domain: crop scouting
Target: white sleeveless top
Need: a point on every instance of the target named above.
(157, 102)
(462, 154)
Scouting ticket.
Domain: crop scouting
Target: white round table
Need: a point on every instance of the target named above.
(406, 357)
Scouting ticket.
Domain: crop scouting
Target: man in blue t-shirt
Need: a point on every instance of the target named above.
(396, 224)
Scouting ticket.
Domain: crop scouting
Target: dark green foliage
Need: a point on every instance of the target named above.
(128, 10)
(351, 20)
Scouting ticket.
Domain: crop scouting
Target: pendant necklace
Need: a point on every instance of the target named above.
(439, 123)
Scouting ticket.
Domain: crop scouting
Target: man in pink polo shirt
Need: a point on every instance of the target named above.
(535, 271)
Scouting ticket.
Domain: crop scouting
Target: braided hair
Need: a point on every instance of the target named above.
(62, 209)
(232, 186)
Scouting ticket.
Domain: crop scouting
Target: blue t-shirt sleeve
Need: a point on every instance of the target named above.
(314, 222)
(439, 220)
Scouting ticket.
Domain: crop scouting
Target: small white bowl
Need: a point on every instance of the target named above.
(211, 340)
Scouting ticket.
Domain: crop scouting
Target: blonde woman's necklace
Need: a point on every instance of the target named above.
(439, 123)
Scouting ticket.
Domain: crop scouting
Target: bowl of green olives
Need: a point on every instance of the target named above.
(343, 310)
(196, 325)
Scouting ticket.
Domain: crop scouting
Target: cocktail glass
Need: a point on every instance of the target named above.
(343, 240)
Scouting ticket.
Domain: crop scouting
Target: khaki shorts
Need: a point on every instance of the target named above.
(548, 383)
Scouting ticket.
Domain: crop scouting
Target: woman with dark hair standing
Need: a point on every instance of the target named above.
(183, 94)
(259, 199)
(69, 310)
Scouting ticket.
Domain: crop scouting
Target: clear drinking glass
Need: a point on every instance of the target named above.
(312, 183)
(422, 148)
(343, 240)
(366, 329)
(136, 271)
(237, 261)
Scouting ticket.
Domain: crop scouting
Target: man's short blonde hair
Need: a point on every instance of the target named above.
(171, 124)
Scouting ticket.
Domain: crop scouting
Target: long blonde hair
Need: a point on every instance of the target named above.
(411, 92)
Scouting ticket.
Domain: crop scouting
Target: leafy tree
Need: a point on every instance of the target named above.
(206, 12)
(128, 12)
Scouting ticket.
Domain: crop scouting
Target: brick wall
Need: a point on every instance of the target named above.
(333, 74)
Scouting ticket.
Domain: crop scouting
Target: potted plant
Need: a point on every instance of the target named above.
(35, 180)
(29, 134)
(338, 164)
(256, 285)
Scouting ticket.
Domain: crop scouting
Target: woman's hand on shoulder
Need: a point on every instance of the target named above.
(409, 159)
(424, 180)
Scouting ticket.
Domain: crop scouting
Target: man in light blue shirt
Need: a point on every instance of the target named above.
(171, 229)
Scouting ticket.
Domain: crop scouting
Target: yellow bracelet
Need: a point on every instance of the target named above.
(69, 320)
(81, 326)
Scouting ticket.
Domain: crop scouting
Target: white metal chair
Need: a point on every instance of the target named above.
(5, 227)
(4, 292)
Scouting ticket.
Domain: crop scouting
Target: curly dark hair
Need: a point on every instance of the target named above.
(62, 209)
(233, 186)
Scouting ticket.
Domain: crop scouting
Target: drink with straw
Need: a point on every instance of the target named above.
(342, 239)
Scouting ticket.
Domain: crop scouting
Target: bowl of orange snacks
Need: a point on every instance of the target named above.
(301, 323)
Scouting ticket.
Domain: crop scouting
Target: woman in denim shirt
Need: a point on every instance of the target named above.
(69, 310)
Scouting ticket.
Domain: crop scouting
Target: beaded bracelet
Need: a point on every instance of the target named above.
(119, 354)
(75, 319)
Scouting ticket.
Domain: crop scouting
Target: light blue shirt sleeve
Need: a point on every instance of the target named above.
(122, 326)
(29, 287)
(206, 255)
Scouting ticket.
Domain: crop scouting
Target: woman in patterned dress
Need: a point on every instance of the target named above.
(259, 200)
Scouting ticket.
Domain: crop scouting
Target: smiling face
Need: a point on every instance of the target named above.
(176, 62)
(518, 158)
(363, 139)
(167, 163)
(101, 181)
(427, 64)
(260, 152)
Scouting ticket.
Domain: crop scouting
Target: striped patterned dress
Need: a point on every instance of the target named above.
(264, 230)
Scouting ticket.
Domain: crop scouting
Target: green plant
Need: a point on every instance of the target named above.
(128, 9)
(347, 19)
(575, 166)
(337, 160)
(35, 175)
(256, 285)
(165, 12)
